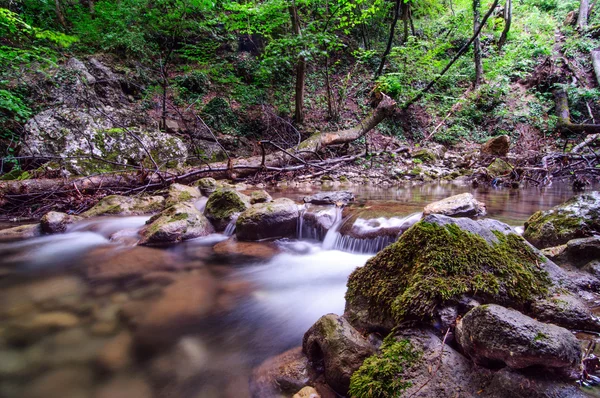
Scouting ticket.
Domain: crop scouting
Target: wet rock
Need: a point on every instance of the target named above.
(175, 224)
(55, 222)
(576, 252)
(28, 329)
(330, 198)
(116, 354)
(125, 387)
(206, 185)
(409, 360)
(377, 220)
(457, 257)
(284, 374)
(13, 364)
(223, 205)
(499, 168)
(579, 217)
(260, 197)
(182, 193)
(565, 310)
(21, 232)
(593, 267)
(233, 247)
(492, 334)
(186, 360)
(307, 392)
(126, 206)
(497, 146)
(104, 264)
(533, 384)
(277, 219)
(182, 305)
(75, 382)
(316, 220)
(425, 155)
(334, 344)
(463, 205)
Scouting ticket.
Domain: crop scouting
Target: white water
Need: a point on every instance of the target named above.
(230, 228)
(107, 226)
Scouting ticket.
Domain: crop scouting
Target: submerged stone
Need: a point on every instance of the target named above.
(126, 206)
(439, 260)
(578, 217)
(223, 205)
(330, 198)
(20, 232)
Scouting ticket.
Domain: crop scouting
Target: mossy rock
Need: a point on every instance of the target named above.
(276, 219)
(117, 205)
(21, 232)
(438, 261)
(207, 185)
(425, 155)
(499, 168)
(260, 197)
(175, 224)
(579, 217)
(223, 205)
(182, 193)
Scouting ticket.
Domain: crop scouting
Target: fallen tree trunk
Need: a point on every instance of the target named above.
(564, 124)
(292, 159)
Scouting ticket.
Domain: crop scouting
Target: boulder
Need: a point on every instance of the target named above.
(260, 197)
(207, 185)
(21, 232)
(576, 252)
(182, 193)
(223, 205)
(497, 146)
(425, 155)
(81, 136)
(565, 310)
(55, 222)
(403, 368)
(175, 224)
(578, 217)
(277, 219)
(330, 198)
(25, 330)
(307, 392)
(499, 168)
(463, 205)
(316, 220)
(491, 334)
(533, 384)
(439, 260)
(284, 374)
(339, 348)
(126, 206)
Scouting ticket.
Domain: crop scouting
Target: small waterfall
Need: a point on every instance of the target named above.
(362, 246)
(230, 229)
(331, 236)
(200, 204)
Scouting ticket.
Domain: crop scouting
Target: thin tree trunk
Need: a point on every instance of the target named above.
(507, 22)
(59, 14)
(477, 45)
(388, 48)
(405, 22)
(582, 20)
(596, 64)
(92, 8)
(412, 23)
(564, 124)
(300, 68)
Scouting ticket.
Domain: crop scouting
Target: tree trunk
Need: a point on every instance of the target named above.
(582, 20)
(507, 22)
(410, 18)
(564, 124)
(92, 8)
(388, 48)
(596, 64)
(405, 20)
(300, 68)
(59, 13)
(477, 45)
(13, 191)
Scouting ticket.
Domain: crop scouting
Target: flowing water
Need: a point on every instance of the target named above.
(89, 314)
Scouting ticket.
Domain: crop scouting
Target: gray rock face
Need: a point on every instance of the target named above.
(340, 348)
(268, 220)
(182, 193)
(567, 311)
(497, 146)
(484, 228)
(55, 222)
(330, 198)
(576, 252)
(179, 222)
(260, 197)
(579, 217)
(493, 334)
(223, 205)
(126, 206)
(283, 374)
(514, 384)
(463, 205)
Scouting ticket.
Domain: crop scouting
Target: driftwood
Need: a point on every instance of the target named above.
(564, 124)
(304, 155)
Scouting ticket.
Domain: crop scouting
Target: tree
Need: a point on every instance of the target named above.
(388, 47)
(508, 8)
(477, 45)
(582, 20)
(59, 13)
(300, 67)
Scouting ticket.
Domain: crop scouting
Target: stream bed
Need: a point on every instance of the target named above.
(89, 314)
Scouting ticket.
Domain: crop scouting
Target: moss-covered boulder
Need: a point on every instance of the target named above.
(566, 310)
(499, 168)
(117, 205)
(223, 205)
(492, 334)
(182, 193)
(260, 197)
(177, 223)
(277, 219)
(335, 346)
(578, 217)
(439, 260)
(20, 232)
(55, 222)
(207, 185)
(424, 155)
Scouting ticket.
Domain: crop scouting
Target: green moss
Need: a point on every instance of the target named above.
(326, 178)
(381, 375)
(343, 179)
(416, 171)
(423, 155)
(432, 264)
(179, 217)
(540, 336)
(225, 202)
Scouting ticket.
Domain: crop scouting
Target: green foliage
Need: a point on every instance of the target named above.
(219, 116)
(193, 85)
(381, 375)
